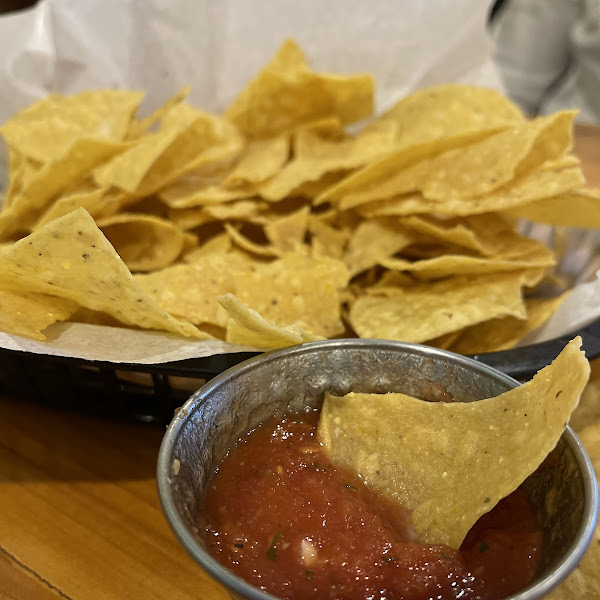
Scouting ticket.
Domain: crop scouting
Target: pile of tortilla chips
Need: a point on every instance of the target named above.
(405, 230)
(273, 225)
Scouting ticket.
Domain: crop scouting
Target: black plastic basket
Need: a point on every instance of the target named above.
(152, 393)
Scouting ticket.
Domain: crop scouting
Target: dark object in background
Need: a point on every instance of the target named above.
(496, 8)
(7, 6)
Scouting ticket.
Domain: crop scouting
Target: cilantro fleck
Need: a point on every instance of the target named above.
(272, 549)
(239, 545)
(484, 547)
(351, 487)
(309, 574)
(445, 555)
(388, 559)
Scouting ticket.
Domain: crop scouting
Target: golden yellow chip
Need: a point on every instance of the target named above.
(357, 188)
(450, 264)
(505, 332)
(445, 111)
(190, 291)
(144, 242)
(47, 129)
(28, 313)
(15, 177)
(287, 94)
(249, 328)
(426, 311)
(260, 160)
(374, 241)
(188, 139)
(327, 240)
(444, 460)
(247, 244)
(316, 156)
(92, 199)
(488, 234)
(70, 258)
(296, 289)
(577, 208)
(524, 190)
(242, 210)
(78, 160)
(219, 244)
(287, 233)
(478, 168)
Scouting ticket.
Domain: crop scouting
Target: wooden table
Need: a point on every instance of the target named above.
(79, 513)
(587, 147)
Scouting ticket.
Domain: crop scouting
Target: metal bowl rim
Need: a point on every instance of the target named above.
(535, 591)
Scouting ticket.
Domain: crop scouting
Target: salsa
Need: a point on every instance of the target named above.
(282, 517)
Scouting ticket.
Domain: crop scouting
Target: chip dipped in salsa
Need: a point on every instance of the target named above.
(281, 516)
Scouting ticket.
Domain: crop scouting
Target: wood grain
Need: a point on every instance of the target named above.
(587, 147)
(80, 513)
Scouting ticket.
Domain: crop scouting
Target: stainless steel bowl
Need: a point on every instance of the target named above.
(564, 491)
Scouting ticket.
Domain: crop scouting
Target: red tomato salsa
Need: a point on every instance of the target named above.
(283, 518)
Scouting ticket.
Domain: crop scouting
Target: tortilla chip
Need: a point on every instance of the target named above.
(443, 460)
(287, 94)
(249, 328)
(70, 258)
(374, 241)
(51, 180)
(15, 177)
(28, 314)
(576, 208)
(188, 139)
(93, 200)
(246, 244)
(327, 240)
(488, 234)
(260, 160)
(524, 190)
(219, 244)
(444, 342)
(450, 264)
(144, 242)
(242, 210)
(317, 156)
(296, 289)
(506, 332)
(48, 128)
(426, 311)
(444, 111)
(588, 410)
(475, 169)
(358, 188)
(189, 292)
(287, 233)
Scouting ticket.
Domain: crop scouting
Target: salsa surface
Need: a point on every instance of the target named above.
(282, 517)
